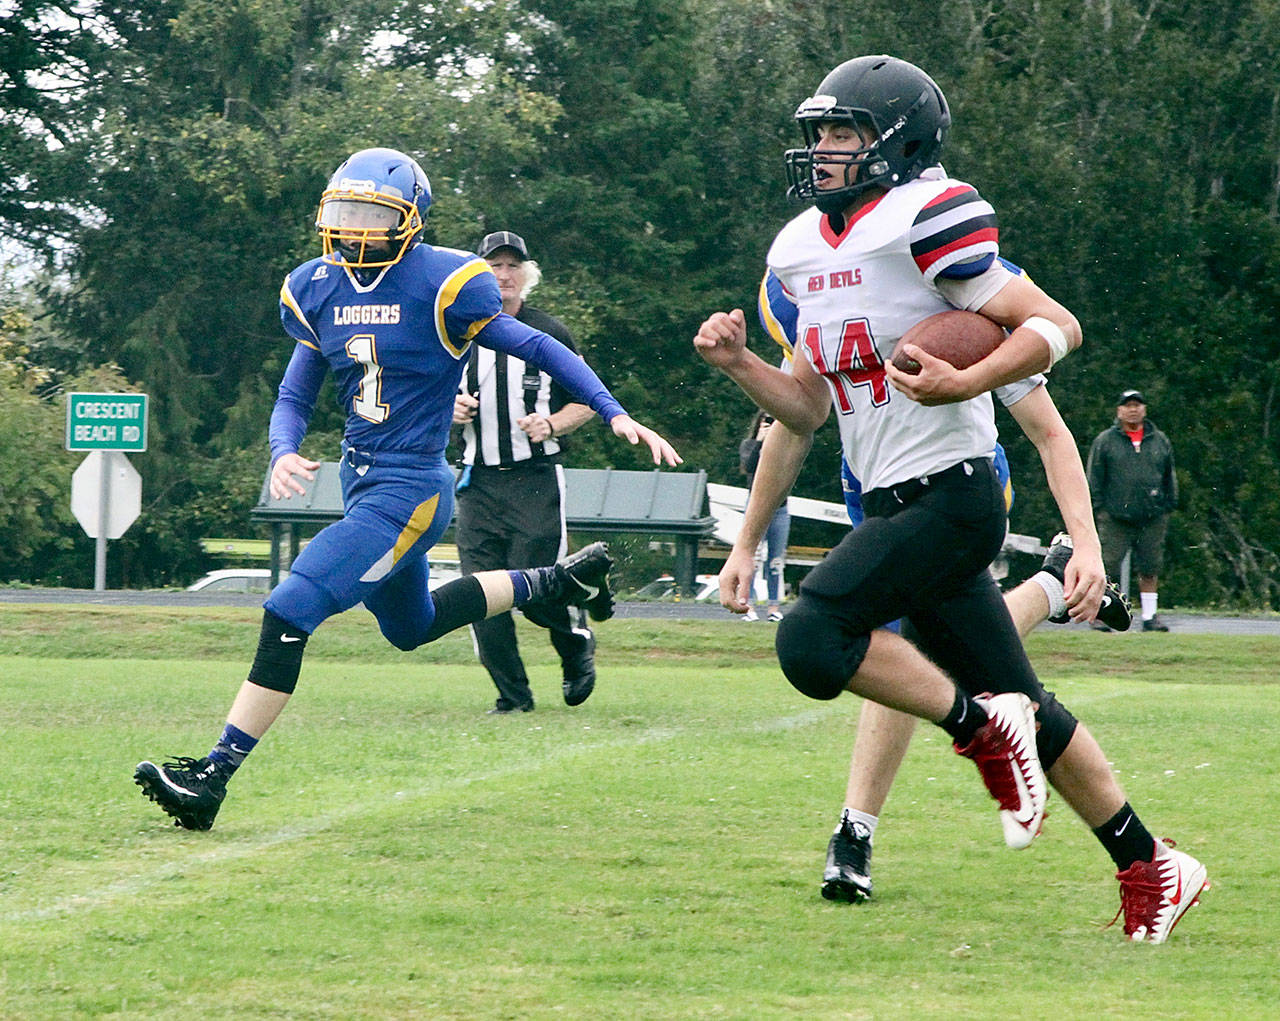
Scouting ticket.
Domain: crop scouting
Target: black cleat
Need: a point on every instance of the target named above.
(1115, 611)
(580, 675)
(1154, 623)
(1059, 554)
(190, 790)
(583, 580)
(847, 876)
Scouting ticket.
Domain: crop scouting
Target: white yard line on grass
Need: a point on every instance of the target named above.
(133, 885)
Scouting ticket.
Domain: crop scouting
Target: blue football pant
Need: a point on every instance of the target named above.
(377, 553)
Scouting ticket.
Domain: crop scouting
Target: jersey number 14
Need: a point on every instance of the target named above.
(848, 361)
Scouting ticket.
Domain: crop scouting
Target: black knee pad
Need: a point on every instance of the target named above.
(816, 654)
(1056, 727)
(279, 657)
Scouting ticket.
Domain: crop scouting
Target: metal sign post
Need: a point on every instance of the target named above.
(100, 536)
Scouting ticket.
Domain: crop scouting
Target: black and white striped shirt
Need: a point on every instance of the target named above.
(509, 389)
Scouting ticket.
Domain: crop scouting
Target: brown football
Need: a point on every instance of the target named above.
(955, 336)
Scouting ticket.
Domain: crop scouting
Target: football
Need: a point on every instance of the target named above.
(955, 336)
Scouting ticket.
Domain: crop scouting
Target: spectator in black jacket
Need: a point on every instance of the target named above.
(1134, 490)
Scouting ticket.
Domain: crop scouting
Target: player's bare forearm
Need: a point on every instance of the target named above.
(1026, 351)
(721, 341)
(798, 406)
(1023, 353)
(1041, 332)
(1085, 579)
(781, 457)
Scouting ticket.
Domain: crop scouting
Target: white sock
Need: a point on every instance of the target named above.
(1149, 604)
(853, 815)
(1053, 590)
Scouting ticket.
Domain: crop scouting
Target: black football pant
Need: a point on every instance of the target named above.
(510, 519)
(921, 554)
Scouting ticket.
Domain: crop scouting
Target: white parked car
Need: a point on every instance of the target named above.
(258, 579)
(236, 579)
(706, 588)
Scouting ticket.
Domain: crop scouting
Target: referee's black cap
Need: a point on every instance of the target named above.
(1134, 396)
(502, 239)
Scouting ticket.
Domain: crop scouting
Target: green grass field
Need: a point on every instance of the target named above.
(389, 851)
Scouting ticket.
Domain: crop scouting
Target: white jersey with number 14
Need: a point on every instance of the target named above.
(859, 291)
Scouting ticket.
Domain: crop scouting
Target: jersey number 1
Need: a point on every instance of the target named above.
(367, 403)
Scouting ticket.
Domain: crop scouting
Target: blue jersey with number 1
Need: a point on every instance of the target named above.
(395, 346)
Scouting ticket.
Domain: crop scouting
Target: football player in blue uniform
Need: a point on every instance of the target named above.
(393, 319)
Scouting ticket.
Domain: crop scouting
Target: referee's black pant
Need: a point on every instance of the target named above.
(512, 518)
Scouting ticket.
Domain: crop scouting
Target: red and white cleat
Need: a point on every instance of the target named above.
(1004, 751)
(1155, 894)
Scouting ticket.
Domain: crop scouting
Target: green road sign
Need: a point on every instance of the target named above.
(107, 422)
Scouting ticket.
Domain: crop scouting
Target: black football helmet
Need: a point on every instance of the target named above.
(880, 95)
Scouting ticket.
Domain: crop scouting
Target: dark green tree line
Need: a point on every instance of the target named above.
(1132, 150)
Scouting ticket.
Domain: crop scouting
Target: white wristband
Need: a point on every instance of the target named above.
(1053, 335)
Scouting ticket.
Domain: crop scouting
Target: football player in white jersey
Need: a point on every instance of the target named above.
(890, 241)
(1070, 585)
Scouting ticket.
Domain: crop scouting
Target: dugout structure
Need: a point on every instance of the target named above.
(664, 505)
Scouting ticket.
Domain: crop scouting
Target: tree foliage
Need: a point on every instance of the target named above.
(171, 153)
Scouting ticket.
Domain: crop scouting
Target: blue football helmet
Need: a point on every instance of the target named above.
(374, 209)
(895, 103)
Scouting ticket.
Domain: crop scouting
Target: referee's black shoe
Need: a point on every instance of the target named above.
(190, 790)
(580, 675)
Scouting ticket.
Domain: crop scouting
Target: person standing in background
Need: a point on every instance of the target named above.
(779, 530)
(510, 496)
(1134, 490)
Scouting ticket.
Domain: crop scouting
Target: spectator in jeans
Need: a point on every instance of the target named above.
(775, 536)
(1134, 490)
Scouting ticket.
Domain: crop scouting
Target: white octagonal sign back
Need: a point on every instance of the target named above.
(123, 492)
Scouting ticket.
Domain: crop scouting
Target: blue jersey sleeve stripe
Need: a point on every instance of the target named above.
(967, 268)
(291, 303)
(448, 294)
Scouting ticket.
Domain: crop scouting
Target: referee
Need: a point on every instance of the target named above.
(510, 498)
